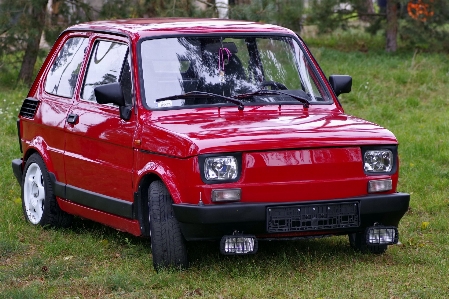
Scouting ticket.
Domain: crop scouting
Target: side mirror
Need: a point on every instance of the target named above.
(340, 83)
(112, 94)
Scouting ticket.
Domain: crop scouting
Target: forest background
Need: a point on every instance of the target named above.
(416, 24)
(402, 85)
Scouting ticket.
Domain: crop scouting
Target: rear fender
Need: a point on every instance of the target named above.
(39, 145)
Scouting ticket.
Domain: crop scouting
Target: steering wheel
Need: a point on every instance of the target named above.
(273, 84)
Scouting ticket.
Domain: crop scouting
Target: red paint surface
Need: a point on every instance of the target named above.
(207, 130)
(119, 223)
(98, 153)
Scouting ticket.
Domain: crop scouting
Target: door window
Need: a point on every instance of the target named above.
(105, 66)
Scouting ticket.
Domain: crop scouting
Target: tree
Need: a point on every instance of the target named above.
(114, 9)
(392, 26)
(365, 9)
(38, 10)
(425, 25)
(288, 13)
(64, 13)
(418, 24)
(23, 23)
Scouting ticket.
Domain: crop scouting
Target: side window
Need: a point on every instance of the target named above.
(61, 80)
(105, 66)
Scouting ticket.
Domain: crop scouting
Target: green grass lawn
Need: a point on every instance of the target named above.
(408, 93)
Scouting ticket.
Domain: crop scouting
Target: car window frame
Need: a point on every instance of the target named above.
(97, 37)
(93, 37)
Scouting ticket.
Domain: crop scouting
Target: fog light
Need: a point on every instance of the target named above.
(238, 244)
(380, 186)
(382, 235)
(219, 195)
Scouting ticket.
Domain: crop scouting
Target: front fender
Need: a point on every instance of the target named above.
(163, 170)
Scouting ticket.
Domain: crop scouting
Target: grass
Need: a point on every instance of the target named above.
(405, 92)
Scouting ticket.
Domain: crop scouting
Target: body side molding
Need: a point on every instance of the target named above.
(92, 200)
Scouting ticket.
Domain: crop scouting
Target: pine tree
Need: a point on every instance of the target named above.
(419, 24)
(24, 22)
(21, 26)
(288, 13)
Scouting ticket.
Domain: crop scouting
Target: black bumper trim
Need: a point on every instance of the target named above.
(18, 135)
(213, 221)
(17, 170)
(93, 200)
(310, 217)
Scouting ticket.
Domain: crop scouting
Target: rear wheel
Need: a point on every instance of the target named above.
(167, 243)
(38, 201)
(358, 243)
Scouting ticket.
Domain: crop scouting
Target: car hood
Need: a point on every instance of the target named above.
(184, 133)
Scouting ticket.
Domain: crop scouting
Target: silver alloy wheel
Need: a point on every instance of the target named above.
(34, 193)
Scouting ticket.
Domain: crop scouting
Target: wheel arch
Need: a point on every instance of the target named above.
(39, 146)
(141, 201)
(29, 152)
(153, 171)
(50, 212)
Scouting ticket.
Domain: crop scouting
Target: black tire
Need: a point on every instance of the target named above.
(39, 203)
(358, 243)
(167, 243)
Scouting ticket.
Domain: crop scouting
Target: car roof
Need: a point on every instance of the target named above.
(169, 26)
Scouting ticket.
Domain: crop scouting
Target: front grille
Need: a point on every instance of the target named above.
(311, 217)
(29, 108)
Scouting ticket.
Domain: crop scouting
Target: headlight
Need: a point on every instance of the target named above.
(379, 160)
(221, 168)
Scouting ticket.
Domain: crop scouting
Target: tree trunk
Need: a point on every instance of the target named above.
(365, 9)
(155, 7)
(38, 13)
(392, 26)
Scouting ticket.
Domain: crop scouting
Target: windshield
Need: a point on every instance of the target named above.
(226, 66)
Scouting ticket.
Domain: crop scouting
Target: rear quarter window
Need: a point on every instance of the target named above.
(63, 74)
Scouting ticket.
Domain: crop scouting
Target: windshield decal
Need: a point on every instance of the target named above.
(163, 104)
(222, 61)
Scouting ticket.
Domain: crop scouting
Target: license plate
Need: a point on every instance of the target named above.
(311, 217)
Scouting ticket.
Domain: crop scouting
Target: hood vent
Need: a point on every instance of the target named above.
(29, 108)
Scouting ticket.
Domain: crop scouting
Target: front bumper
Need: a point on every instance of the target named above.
(200, 222)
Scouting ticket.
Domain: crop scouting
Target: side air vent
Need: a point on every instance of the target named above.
(29, 108)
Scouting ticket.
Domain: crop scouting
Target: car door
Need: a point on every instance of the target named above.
(55, 99)
(98, 154)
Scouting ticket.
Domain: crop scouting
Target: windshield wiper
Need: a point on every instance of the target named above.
(201, 94)
(304, 99)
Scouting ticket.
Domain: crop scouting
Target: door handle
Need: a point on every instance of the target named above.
(72, 118)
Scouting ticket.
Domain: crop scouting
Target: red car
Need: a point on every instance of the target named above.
(193, 129)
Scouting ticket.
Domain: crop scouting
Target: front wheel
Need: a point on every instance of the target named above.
(358, 243)
(167, 243)
(38, 201)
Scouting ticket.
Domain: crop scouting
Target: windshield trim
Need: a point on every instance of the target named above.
(299, 41)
